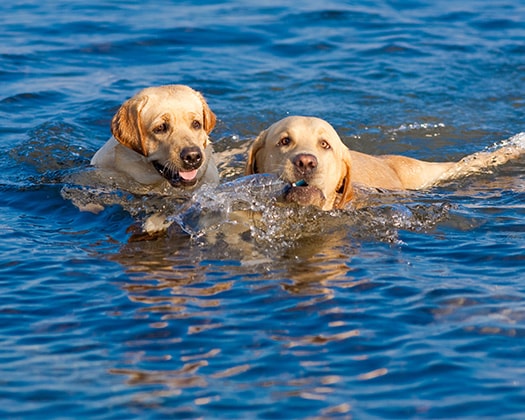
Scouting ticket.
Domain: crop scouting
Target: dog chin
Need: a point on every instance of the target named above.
(305, 195)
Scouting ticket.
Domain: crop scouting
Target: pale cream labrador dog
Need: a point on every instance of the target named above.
(160, 142)
(308, 153)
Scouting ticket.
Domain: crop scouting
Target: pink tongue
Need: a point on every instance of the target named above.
(188, 176)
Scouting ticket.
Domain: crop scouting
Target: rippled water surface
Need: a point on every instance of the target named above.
(409, 307)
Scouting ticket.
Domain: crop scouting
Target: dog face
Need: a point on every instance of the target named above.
(308, 153)
(169, 126)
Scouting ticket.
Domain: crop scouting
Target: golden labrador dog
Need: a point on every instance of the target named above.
(308, 153)
(159, 145)
(160, 142)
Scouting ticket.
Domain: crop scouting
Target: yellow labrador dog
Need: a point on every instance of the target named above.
(160, 141)
(159, 145)
(308, 153)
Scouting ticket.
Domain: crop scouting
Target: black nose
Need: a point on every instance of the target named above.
(305, 163)
(191, 156)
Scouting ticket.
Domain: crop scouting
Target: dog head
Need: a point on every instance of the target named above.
(308, 153)
(169, 126)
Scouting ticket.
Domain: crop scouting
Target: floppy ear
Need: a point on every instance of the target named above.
(209, 117)
(127, 127)
(345, 188)
(251, 164)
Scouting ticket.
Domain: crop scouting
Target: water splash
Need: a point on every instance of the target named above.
(211, 207)
(247, 213)
(518, 141)
(249, 209)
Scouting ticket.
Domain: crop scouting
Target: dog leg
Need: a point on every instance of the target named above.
(483, 161)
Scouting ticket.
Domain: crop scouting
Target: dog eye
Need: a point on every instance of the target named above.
(285, 141)
(162, 128)
(196, 125)
(325, 145)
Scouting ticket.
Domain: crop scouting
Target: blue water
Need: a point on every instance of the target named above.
(410, 308)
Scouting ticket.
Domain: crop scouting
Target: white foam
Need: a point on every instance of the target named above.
(416, 126)
(518, 140)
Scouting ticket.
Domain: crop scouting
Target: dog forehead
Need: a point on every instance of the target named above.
(168, 98)
(166, 107)
(305, 127)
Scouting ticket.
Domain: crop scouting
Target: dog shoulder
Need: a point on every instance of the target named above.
(115, 157)
(105, 156)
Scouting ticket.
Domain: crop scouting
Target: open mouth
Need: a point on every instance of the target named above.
(177, 178)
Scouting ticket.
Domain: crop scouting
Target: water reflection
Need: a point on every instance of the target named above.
(205, 329)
